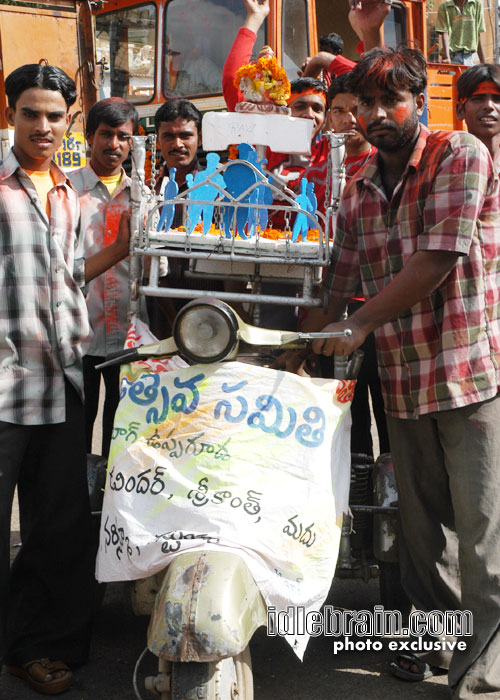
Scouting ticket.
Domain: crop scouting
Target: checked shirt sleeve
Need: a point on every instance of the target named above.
(457, 196)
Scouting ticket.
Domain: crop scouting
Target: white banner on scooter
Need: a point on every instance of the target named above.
(229, 456)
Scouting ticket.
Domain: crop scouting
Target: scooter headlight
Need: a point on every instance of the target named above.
(206, 331)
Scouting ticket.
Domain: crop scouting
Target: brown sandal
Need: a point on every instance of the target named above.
(35, 673)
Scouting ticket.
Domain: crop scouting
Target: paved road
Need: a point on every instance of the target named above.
(119, 639)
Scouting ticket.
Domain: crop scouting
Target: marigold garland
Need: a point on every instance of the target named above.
(273, 234)
(267, 76)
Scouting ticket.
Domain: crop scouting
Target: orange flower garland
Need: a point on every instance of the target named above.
(268, 79)
(273, 234)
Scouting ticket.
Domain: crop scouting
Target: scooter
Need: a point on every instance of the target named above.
(205, 606)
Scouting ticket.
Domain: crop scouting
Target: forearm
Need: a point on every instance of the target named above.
(98, 263)
(372, 39)
(445, 49)
(480, 51)
(424, 272)
(321, 61)
(239, 54)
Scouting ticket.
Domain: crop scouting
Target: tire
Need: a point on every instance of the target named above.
(392, 593)
(228, 679)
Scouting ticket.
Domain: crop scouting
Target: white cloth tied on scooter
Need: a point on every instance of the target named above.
(229, 455)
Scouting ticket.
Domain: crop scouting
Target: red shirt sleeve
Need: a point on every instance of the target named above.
(340, 65)
(239, 54)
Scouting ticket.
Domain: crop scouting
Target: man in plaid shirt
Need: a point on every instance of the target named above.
(46, 602)
(418, 227)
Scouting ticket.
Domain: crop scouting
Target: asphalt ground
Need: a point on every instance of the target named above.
(120, 637)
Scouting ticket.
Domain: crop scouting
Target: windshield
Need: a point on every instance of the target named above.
(395, 26)
(197, 39)
(295, 36)
(125, 40)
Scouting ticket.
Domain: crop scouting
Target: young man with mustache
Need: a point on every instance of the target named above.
(178, 133)
(418, 229)
(104, 190)
(46, 599)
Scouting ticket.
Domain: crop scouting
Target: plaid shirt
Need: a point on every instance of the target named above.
(444, 352)
(43, 317)
(107, 295)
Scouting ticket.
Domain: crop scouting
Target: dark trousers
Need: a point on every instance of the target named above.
(46, 598)
(448, 474)
(368, 386)
(92, 383)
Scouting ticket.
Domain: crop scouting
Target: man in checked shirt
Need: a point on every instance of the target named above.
(418, 227)
(46, 602)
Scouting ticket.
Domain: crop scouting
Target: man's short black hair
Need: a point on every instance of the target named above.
(302, 84)
(113, 111)
(333, 43)
(389, 69)
(337, 87)
(172, 109)
(470, 79)
(34, 75)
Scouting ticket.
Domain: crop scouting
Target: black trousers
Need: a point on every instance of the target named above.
(46, 599)
(92, 383)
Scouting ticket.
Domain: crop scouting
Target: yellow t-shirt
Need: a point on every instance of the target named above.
(111, 182)
(43, 182)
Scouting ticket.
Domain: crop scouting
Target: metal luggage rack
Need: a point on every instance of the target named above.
(252, 260)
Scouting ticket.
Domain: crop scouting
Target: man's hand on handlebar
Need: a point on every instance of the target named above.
(342, 344)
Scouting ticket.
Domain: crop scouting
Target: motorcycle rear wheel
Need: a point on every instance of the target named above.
(228, 679)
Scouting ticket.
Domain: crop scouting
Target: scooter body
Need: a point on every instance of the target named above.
(205, 607)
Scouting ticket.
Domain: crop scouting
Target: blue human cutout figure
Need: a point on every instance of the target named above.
(265, 197)
(263, 194)
(206, 192)
(312, 197)
(301, 224)
(239, 177)
(168, 210)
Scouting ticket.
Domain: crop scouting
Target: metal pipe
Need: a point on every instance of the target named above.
(231, 257)
(175, 293)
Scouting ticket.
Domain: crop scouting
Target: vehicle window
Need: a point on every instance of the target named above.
(126, 41)
(395, 26)
(197, 39)
(295, 36)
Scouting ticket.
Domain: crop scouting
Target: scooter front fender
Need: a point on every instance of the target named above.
(207, 609)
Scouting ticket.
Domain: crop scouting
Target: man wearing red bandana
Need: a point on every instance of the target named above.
(479, 104)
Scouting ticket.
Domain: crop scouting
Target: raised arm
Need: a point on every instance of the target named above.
(367, 19)
(241, 50)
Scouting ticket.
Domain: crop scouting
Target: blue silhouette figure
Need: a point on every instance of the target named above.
(312, 197)
(205, 192)
(265, 197)
(168, 210)
(301, 224)
(239, 177)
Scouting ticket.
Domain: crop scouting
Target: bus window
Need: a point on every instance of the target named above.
(126, 40)
(198, 36)
(395, 26)
(295, 36)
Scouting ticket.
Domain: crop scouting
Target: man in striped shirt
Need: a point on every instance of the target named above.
(46, 601)
(418, 228)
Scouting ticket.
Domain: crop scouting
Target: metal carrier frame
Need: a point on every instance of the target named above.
(231, 258)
